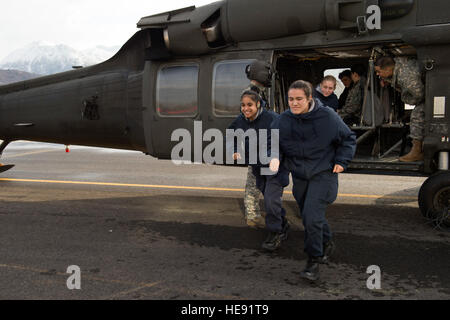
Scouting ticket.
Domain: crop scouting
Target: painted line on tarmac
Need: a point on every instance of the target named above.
(126, 292)
(110, 184)
(47, 271)
(372, 196)
(151, 186)
(6, 156)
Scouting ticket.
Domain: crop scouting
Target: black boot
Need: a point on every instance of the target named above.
(285, 230)
(328, 249)
(311, 271)
(272, 242)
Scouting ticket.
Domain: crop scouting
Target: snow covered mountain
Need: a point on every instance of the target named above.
(46, 58)
(11, 76)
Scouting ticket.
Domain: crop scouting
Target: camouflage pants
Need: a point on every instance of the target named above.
(417, 125)
(251, 196)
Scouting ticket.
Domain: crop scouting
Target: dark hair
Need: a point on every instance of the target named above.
(359, 69)
(303, 85)
(252, 95)
(385, 62)
(345, 73)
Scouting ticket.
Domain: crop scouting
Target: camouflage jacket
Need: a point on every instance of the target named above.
(354, 101)
(407, 79)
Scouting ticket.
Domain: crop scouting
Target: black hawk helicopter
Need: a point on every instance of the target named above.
(187, 66)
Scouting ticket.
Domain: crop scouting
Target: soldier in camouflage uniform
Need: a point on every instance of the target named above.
(259, 75)
(351, 111)
(404, 75)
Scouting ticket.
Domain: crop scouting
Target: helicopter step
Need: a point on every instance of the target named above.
(390, 164)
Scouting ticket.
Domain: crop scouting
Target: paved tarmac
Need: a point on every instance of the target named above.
(141, 228)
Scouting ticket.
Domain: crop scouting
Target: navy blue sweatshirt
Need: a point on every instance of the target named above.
(331, 101)
(315, 141)
(262, 121)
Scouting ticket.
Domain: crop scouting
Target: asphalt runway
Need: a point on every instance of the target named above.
(141, 228)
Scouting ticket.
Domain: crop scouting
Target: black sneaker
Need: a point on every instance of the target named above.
(311, 271)
(272, 242)
(285, 231)
(328, 249)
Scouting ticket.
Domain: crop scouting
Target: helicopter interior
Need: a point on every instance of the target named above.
(382, 131)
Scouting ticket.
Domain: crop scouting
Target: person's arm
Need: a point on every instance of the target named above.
(231, 144)
(409, 79)
(334, 102)
(343, 98)
(353, 102)
(288, 146)
(276, 156)
(346, 146)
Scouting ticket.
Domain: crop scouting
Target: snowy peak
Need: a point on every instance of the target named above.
(45, 58)
(98, 54)
(11, 76)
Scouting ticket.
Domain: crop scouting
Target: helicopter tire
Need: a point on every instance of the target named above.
(434, 199)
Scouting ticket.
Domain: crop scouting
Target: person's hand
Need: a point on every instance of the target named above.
(338, 169)
(274, 165)
(237, 156)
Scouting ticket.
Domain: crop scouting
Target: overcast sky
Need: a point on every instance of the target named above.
(80, 24)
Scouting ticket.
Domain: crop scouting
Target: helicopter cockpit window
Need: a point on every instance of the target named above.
(229, 80)
(177, 91)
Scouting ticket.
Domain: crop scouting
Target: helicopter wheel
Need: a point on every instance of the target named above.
(434, 199)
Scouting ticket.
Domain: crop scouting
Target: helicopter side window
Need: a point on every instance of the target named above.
(229, 80)
(177, 91)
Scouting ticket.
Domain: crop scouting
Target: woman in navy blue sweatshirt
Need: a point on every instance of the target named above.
(325, 93)
(271, 184)
(317, 145)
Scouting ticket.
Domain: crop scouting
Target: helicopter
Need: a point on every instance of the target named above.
(187, 66)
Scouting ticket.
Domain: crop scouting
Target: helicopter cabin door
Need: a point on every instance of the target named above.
(191, 96)
(171, 102)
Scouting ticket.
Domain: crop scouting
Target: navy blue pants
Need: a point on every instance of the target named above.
(272, 189)
(313, 196)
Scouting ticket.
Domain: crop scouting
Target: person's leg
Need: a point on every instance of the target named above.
(275, 213)
(322, 191)
(251, 201)
(276, 222)
(299, 188)
(417, 129)
(314, 221)
(417, 122)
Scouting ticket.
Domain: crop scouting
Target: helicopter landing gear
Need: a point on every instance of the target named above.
(3, 167)
(434, 199)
